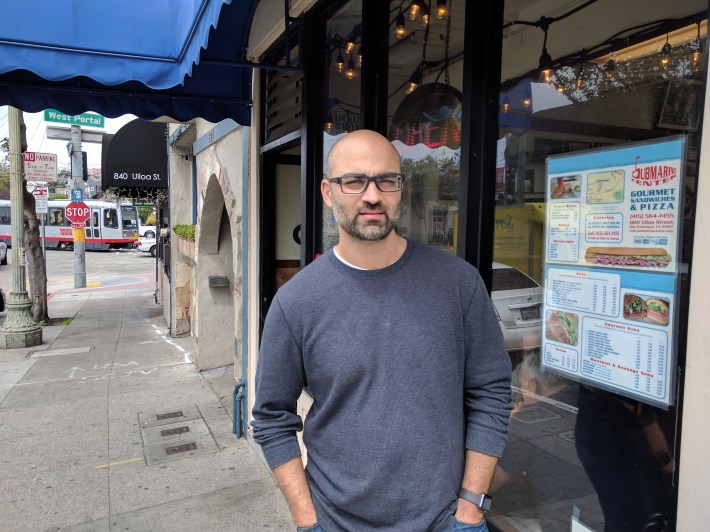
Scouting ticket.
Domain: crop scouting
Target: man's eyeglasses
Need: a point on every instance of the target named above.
(358, 183)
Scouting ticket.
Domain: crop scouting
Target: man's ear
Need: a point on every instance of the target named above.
(325, 192)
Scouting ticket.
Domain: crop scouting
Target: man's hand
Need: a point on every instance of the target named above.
(292, 480)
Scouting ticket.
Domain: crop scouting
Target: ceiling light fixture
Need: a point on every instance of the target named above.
(441, 9)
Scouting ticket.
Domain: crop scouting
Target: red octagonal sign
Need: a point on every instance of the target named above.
(77, 212)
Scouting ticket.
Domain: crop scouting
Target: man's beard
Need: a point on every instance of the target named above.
(370, 232)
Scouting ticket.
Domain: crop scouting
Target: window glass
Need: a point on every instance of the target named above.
(56, 216)
(130, 217)
(111, 218)
(5, 215)
(581, 450)
(424, 110)
(341, 108)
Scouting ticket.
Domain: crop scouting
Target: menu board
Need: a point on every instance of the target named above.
(612, 236)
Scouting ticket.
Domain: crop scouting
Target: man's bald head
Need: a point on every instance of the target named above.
(362, 147)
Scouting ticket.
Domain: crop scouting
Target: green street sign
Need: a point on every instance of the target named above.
(84, 119)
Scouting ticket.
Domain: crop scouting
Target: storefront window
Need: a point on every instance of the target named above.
(341, 110)
(596, 172)
(424, 111)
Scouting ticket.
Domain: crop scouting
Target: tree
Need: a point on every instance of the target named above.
(36, 270)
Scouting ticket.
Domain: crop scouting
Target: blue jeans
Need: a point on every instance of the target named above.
(314, 528)
(466, 527)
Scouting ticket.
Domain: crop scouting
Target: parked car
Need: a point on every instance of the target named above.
(147, 245)
(3, 253)
(147, 231)
(517, 300)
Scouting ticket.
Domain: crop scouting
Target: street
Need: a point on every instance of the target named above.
(103, 269)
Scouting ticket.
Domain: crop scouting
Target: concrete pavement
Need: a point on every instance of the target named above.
(109, 426)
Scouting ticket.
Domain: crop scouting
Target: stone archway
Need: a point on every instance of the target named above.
(214, 280)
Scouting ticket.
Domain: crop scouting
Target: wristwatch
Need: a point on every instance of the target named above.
(482, 500)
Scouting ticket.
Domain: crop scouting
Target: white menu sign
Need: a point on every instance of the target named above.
(611, 267)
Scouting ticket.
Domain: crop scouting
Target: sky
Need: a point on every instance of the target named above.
(37, 138)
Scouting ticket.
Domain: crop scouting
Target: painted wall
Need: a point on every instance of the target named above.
(217, 311)
(693, 510)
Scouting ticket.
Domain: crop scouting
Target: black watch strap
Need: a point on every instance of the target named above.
(482, 500)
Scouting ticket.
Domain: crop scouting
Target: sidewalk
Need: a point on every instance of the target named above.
(109, 426)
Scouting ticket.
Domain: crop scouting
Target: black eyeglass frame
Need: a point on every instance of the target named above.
(370, 179)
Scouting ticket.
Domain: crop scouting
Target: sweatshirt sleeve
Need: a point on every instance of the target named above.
(279, 382)
(487, 376)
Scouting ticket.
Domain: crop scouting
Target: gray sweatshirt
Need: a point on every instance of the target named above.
(407, 369)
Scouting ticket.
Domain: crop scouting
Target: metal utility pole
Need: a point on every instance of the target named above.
(19, 330)
(77, 183)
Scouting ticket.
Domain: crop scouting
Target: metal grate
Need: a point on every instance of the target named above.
(181, 448)
(170, 415)
(173, 432)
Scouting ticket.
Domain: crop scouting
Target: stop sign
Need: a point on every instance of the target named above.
(77, 212)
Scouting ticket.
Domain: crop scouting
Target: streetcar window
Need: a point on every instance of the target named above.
(56, 216)
(96, 219)
(5, 215)
(129, 215)
(111, 218)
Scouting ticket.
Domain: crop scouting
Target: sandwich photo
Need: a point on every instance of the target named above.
(634, 307)
(657, 310)
(565, 187)
(562, 327)
(628, 256)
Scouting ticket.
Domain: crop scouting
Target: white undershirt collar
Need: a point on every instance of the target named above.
(341, 259)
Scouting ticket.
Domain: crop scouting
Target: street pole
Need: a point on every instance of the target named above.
(19, 329)
(77, 182)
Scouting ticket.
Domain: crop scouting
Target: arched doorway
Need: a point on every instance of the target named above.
(214, 283)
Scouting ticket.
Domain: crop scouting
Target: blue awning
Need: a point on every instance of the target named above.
(150, 58)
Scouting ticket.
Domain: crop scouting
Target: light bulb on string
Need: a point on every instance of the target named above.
(506, 103)
(349, 47)
(425, 15)
(400, 29)
(414, 9)
(414, 80)
(666, 52)
(610, 67)
(350, 72)
(359, 57)
(441, 9)
(340, 63)
(329, 122)
(696, 46)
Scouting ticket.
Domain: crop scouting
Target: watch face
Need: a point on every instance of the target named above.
(486, 503)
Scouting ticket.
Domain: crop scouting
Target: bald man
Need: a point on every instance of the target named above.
(401, 351)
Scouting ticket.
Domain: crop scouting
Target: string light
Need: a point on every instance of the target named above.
(329, 122)
(414, 9)
(506, 103)
(400, 29)
(350, 72)
(610, 68)
(696, 46)
(340, 63)
(441, 9)
(359, 57)
(666, 52)
(349, 47)
(414, 80)
(425, 15)
(545, 65)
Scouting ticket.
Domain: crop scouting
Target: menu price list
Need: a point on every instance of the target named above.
(629, 357)
(563, 232)
(585, 290)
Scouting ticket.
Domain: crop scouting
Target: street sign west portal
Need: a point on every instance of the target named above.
(84, 119)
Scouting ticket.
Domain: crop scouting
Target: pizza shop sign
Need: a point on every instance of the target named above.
(653, 175)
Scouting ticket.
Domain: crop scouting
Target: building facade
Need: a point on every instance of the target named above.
(513, 120)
